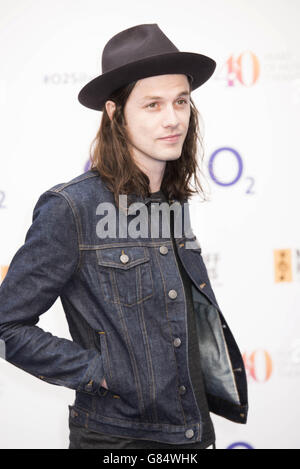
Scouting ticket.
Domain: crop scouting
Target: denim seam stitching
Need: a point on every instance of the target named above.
(149, 361)
(69, 204)
(89, 247)
(131, 356)
(170, 329)
(77, 224)
(142, 424)
(84, 178)
(88, 374)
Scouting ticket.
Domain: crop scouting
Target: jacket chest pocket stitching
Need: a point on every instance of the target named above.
(125, 274)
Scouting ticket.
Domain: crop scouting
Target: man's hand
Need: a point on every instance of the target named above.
(103, 383)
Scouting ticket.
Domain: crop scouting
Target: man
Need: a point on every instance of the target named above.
(151, 353)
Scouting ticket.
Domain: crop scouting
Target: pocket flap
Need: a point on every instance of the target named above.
(123, 257)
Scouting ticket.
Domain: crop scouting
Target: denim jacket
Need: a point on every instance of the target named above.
(126, 310)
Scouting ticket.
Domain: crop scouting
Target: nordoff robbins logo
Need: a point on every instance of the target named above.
(133, 221)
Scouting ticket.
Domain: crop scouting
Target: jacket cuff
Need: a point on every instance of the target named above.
(93, 376)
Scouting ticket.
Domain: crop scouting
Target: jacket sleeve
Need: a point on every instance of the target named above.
(36, 275)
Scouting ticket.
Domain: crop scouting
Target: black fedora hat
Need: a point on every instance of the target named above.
(139, 52)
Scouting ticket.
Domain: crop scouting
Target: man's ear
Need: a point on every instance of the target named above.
(110, 108)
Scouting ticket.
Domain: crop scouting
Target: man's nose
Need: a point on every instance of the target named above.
(170, 116)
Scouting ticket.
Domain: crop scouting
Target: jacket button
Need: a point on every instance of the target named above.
(177, 342)
(163, 249)
(189, 433)
(172, 294)
(182, 389)
(124, 258)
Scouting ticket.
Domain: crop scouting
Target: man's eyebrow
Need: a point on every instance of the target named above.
(183, 93)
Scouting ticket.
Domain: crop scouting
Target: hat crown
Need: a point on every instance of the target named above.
(133, 44)
(139, 52)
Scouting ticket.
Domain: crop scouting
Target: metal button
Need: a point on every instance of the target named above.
(177, 342)
(163, 249)
(182, 389)
(172, 294)
(124, 258)
(189, 433)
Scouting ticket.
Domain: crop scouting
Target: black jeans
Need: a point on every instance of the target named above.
(83, 438)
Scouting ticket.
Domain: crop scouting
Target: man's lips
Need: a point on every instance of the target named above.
(171, 138)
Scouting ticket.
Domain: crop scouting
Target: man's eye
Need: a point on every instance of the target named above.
(150, 105)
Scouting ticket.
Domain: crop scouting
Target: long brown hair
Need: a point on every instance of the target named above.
(110, 156)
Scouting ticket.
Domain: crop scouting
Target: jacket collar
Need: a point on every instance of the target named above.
(132, 198)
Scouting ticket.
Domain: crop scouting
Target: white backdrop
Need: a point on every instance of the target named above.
(249, 230)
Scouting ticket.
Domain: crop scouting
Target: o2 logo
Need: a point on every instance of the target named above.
(221, 153)
(2, 197)
(244, 69)
(259, 365)
(240, 445)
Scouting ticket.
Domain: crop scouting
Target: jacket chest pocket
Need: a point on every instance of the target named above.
(125, 274)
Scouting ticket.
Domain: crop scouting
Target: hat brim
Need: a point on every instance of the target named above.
(96, 92)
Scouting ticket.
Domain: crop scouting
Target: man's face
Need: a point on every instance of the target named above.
(158, 106)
